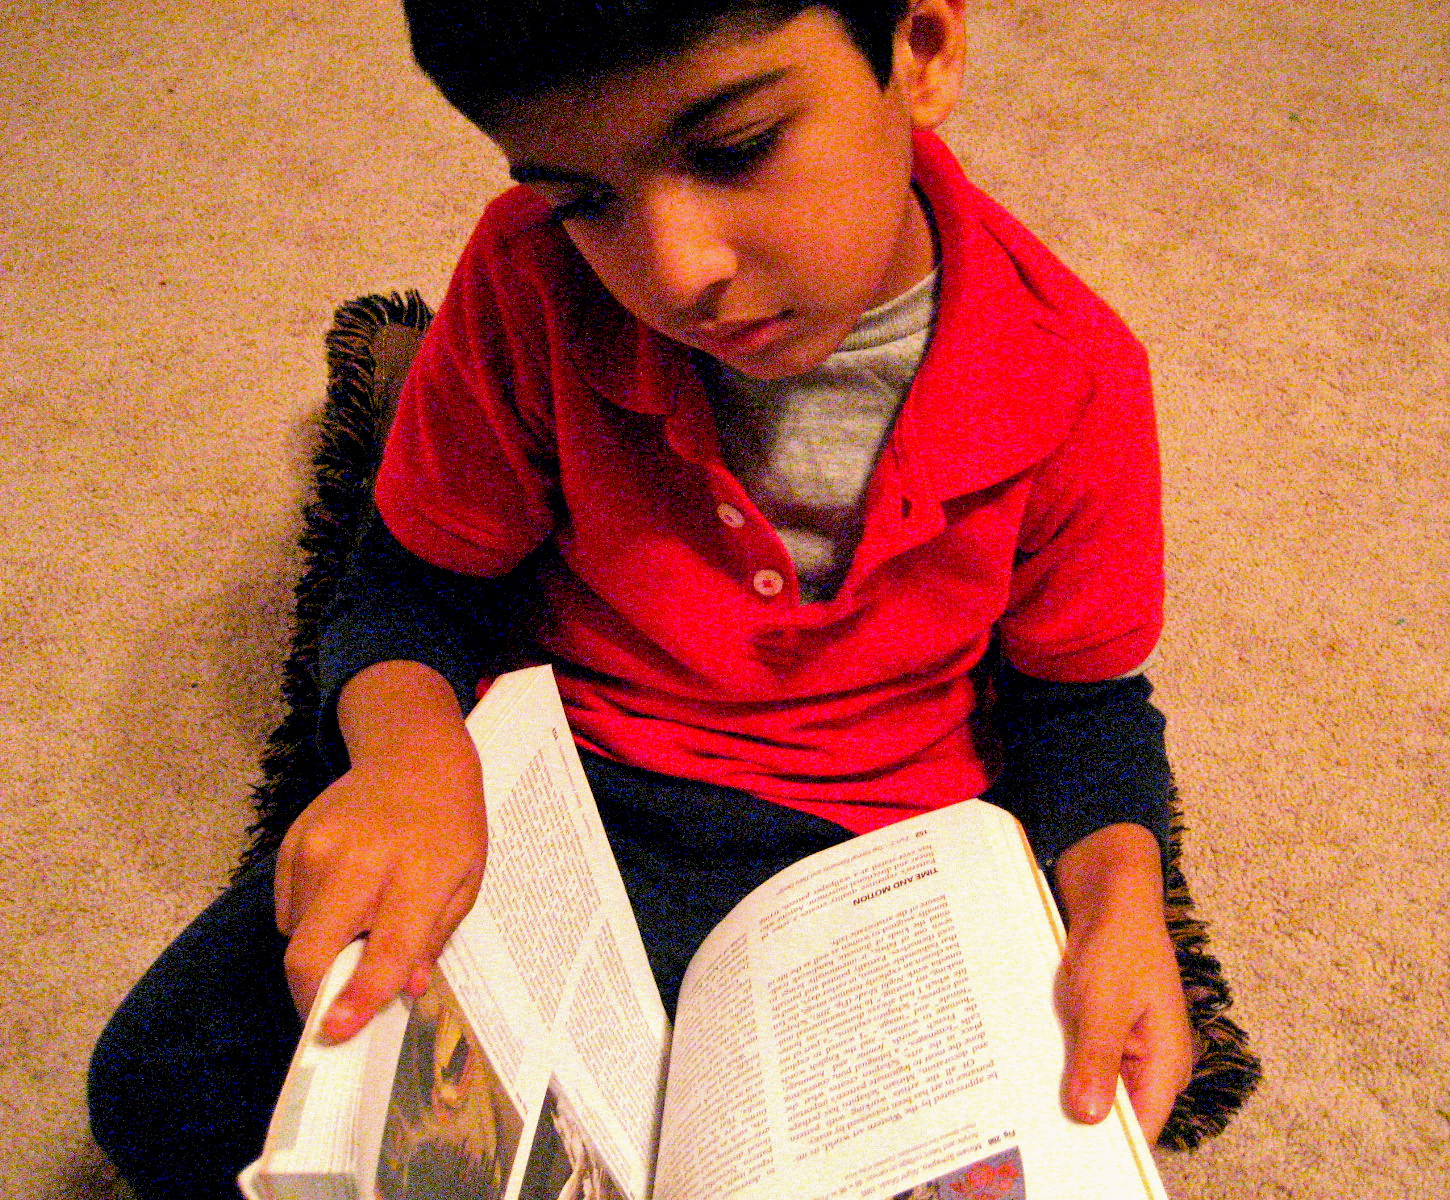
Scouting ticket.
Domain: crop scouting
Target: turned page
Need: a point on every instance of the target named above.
(535, 1060)
(549, 967)
(879, 1018)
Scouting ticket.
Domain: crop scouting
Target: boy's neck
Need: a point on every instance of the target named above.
(917, 253)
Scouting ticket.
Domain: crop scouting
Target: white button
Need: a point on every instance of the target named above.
(731, 515)
(768, 583)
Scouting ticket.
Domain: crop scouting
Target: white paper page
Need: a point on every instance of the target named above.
(935, 1069)
(550, 966)
(614, 1048)
(1016, 967)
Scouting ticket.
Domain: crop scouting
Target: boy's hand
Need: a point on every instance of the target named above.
(1119, 991)
(395, 848)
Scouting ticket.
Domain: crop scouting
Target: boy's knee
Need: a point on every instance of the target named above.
(115, 1096)
(183, 1078)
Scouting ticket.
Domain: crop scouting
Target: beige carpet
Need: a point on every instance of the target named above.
(1259, 188)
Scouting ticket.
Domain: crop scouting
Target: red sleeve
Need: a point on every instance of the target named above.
(468, 471)
(1087, 589)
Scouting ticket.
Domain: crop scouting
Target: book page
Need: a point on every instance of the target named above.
(549, 968)
(536, 1060)
(877, 1021)
(451, 1128)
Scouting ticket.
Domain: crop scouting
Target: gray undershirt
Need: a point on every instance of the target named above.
(804, 447)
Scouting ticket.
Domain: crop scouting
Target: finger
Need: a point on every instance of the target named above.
(1152, 1107)
(399, 933)
(282, 887)
(1091, 1081)
(318, 851)
(1159, 1070)
(1096, 1036)
(456, 909)
(306, 866)
(419, 980)
(324, 928)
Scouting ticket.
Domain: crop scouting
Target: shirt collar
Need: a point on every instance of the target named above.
(999, 387)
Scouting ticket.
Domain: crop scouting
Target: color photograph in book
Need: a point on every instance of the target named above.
(998, 1177)
(451, 1129)
(563, 1164)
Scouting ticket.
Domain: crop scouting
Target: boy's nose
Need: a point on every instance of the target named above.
(683, 248)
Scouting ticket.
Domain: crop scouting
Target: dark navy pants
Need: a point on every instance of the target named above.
(183, 1080)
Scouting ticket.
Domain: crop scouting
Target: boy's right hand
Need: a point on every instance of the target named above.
(395, 848)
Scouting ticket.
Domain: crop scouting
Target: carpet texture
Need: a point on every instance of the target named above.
(1260, 189)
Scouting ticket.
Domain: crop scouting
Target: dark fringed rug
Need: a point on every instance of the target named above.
(368, 351)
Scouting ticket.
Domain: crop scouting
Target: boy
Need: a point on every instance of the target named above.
(786, 424)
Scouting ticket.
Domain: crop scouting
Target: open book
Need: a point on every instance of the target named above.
(875, 1022)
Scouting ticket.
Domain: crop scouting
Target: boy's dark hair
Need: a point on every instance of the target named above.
(487, 55)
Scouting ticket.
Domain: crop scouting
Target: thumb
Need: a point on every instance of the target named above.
(1095, 1042)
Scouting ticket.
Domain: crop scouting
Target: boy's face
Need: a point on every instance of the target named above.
(750, 196)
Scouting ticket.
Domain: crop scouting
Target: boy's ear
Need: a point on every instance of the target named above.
(930, 55)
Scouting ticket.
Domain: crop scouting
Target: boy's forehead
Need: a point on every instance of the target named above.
(665, 99)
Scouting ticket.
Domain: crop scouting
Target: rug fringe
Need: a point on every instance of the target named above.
(1227, 1072)
(349, 448)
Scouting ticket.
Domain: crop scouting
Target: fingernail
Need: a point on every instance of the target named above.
(1095, 1105)
(339, 1020)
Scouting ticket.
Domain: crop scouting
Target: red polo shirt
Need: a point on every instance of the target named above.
(1018, 492)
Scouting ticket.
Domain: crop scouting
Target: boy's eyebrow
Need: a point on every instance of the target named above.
(527, 172)
(703, 109)
(697, 113)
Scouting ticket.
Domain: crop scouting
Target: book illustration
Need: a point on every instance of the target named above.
(563, 1165)
(998, 1177)
(451, 1128)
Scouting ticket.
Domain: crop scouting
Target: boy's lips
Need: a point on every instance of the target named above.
(739, 337)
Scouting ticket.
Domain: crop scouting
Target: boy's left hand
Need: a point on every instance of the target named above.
(1119, 991)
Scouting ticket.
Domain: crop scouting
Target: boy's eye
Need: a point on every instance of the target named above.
(722, 161)
(731, 160)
